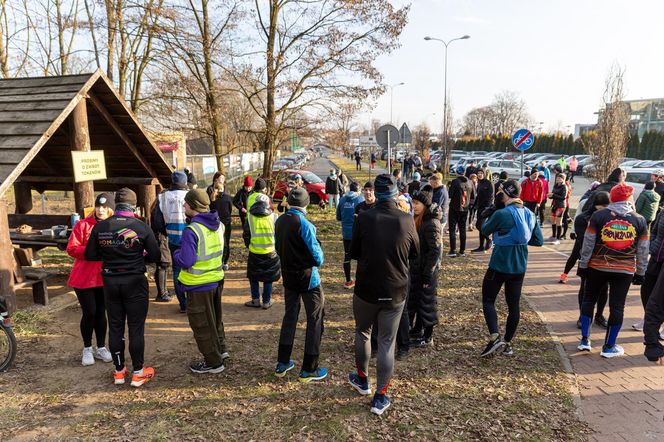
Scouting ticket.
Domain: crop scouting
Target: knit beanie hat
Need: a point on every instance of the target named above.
(423, 196)
(354, 187)
(105, 200)
(260, 185)
(198, 200)
(179, 177)
(247, 181)
(534, 171)
(512, 188)
(386, 186)
(125, 196)
(298, 197)
(621, 192)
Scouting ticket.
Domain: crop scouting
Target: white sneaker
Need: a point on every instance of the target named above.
(88, 358)
(638, 326)
(555, 242)
(103, 354)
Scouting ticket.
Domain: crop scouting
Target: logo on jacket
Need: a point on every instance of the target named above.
(127, 236)
(618, 234)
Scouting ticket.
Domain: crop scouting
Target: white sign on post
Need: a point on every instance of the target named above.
(88, 166)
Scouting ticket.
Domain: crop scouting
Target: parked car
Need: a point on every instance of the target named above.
(313, 183)
(513, 168)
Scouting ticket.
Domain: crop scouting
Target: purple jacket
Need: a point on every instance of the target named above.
(185, 257)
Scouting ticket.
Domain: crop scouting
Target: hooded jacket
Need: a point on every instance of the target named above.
(84, 274)
(384, 239)
(442, 198)
(264, 267)
(612, 181)
(484, 194)
(240, 199)
(186, 256)
(430, 237)
(346, 213)
(616, 240)
(558, 196)
(332, 185)
(460, 194)
(647, 204)
(299, 250)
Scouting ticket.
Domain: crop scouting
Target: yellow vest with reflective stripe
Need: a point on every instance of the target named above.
(207, 268)
(251, 199)
(261, 229)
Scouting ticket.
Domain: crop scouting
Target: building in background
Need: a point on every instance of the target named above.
(646, 115)
(173, 145)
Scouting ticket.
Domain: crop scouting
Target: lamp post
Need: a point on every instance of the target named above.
(389, 142)
(427, 38)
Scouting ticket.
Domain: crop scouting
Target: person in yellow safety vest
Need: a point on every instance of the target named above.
(260, 188)
(202, 279)
(263, 263)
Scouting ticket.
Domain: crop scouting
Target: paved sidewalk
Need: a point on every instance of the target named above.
(621, 398)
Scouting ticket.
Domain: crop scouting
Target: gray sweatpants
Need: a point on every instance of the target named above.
(386, 319)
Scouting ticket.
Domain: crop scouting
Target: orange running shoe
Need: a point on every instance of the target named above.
(119, 376)
(563, 278)
(139, 379)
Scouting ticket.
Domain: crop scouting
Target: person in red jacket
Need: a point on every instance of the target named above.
(85, 278)
(531, 191)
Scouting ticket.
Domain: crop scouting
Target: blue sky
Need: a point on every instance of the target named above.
(555, 54)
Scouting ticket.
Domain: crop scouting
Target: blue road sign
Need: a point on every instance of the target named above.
(523, 139)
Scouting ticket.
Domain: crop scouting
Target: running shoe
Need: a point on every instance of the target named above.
(584, 345)
(282, 368)
(225, 355)
(379, 404)
(563, 278)
(224, 267)
(421, 343)
(88, 356)
(508, 350)
(612, 352)
(478, 250)
(138, 380)
(402, 354)
(202, 368)
(255, 303)
(119, 376)
(266, 305)
(163, 298)
(349, 284)
(451, 255)
(493, 346)
(103, 354)
(551, 239)
(600, 320)
(555, 242)
(638, 326)
(362, 387)
(312, 376)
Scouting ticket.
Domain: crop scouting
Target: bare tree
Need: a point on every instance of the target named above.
(313, 49)
(608, 143)
(14, 38)
(422, 139)
(510, 113)
(341, 119)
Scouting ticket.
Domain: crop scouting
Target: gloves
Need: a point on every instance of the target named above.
(582, 273)
(572, 235)
(638, 279)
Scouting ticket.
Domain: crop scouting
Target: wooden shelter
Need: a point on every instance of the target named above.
(42, 120)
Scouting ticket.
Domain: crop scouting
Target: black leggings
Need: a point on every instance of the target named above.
(347, 259)
(94, 315)
(652, 272)
(227, 242)
(618, 287)
(541, 210)
(491, 285)
(601, 299)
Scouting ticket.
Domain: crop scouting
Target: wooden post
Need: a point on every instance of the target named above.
(147, 194)
(6, 260)
(79, 135)
(23, 197)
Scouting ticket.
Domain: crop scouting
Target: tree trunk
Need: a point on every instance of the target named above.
(7, 261)
(270, 115)
(84, 193)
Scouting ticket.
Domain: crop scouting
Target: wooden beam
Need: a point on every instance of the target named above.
(84, 192)
(23, 197)
(99, 106)
(68, 180)
(7, 261)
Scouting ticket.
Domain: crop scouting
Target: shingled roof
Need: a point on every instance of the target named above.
(34, 132)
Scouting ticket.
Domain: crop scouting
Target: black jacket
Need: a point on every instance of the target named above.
(265, 267)
(119, 243)
(430, 237)
(413, 186)
(333, 186)
(240, 200)
(612, 181)
(484, 194)
(222, 204)
(461, 192)
(471, 170)
(657, 238)
(559, 196)
(384, 239)
(659, 189)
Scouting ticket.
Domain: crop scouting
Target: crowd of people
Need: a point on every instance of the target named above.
(190, 230)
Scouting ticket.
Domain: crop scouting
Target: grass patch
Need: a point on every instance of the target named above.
(29, 323)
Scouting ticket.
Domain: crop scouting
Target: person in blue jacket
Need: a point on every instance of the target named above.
(301, 254)
(514, 228)
(346, 214)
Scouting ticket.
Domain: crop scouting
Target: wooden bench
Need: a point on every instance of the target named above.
(39, 289)
(27, 276)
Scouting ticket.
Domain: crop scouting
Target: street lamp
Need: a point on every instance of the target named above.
(389, 142)
(427, 38)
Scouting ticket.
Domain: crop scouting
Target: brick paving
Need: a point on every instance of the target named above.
(621, 398)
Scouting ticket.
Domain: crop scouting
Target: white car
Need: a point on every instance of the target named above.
(513, 169)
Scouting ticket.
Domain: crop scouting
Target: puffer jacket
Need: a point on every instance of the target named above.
(265, 267)
(647, 204)
(84, 274)
(657, 238)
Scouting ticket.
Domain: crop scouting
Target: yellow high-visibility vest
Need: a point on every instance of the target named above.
(208, 266)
